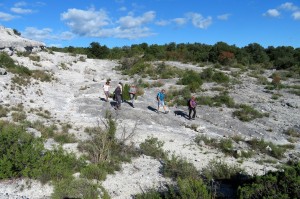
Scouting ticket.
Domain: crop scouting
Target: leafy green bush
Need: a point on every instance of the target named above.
(179, 168)
(217, 169)
(187, 188)
(22, 155)
(191, 79)
(93, 171)
(279, 184)
(19, 152)
(57, 165)
(153, 147)
(269, 148)
(220, 77)
(75, 188)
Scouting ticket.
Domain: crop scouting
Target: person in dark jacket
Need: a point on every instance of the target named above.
(118, 97)
(192, 107)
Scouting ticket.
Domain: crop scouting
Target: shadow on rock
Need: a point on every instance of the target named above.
(181, 113)
(152, 109)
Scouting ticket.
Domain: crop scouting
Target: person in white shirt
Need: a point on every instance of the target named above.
(106, 90)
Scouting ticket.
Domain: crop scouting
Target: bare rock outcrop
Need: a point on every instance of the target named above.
(11, 42)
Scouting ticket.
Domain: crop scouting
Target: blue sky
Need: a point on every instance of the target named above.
(117, 23)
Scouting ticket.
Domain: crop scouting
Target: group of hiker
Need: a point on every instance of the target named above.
(160, 97)
(118, 94)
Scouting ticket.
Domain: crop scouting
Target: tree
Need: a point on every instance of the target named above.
(257, 53)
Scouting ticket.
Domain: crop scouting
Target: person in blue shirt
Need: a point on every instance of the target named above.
(161, 100)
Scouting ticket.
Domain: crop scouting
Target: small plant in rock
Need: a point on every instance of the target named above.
(3, 111)
(292, 132)
(276, 151)
(247, 113)
(35, 58)
(18, 116)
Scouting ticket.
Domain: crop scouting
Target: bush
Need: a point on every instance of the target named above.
(3, 111)
(19, 152)
(220, 77)
(179, 168)
(187, 188)
(247, 113)
(57, 165)
(75, 188)
(93, 171)
(192, 79)
(22, 155)
(268, 148)
(153, 147)
(217, 169)
(280, 184)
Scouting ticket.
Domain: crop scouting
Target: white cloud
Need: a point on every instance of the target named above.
(123, 8)
(199, 21)
(288, 6)
(21, 10)
(132, 22)
(162, 23)
(46, 34)
(180, 21)
(224, 16)
(296, 15)
(6, 16)
(85, 22)
(20, 4)
(272, 13)
(94, 23)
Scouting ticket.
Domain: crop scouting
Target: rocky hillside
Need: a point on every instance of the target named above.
(74, 96)
(12, 42)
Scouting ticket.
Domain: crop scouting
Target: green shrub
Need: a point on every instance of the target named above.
(179, 168)
(192, 188)
(3, 111)
(18, 116)
(276, 151)
(292, 132)
(247, 113)
(153, 147)
(93, 171)
(220, 77)
(279, 184)
(75, 188)
(64, 138)
(125, 92)
(189, 188)
(191, 79)
(217, 169)
(19, 152)
(104, 150)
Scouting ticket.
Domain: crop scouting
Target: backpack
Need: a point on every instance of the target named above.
(188, 102)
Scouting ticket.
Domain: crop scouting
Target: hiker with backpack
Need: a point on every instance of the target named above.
(118, 97)
(160, 97)
(132, 92)
(192, 107)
